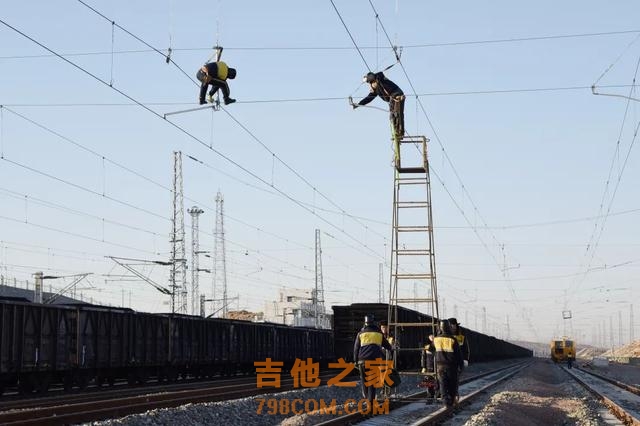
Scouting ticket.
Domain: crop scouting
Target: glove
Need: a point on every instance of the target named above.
(424, 370)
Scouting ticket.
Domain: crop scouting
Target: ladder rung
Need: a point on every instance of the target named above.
(412, 324)
(414, 139)
(411, 181)
(412, 204)
(413, 228)
(411, 170)
(413, 276)
(412, 252)
(412, 300)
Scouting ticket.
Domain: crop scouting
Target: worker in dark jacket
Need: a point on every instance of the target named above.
(458, 332)
(368, 347)
(389, 92)
(449, 363)
(216, 75)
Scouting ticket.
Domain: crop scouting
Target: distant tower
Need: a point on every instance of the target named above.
(319, 290)
(631, 336)
(380, 284)
(508, 336)
(484, 319)
(195, 213)
(220, 259)
(178, 274)
(620, 328)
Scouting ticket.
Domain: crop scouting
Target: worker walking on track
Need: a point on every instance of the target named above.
(368, 347)
(449, 363)
(216, 75)
(389, 92)
(458, 332)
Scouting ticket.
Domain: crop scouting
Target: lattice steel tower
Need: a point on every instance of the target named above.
(178, 274)
(195, 213)
(413, 266)
(220, 259)
(318, 296)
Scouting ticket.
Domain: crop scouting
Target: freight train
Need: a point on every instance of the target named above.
(71, 346)
(348, 320)
(74, 345)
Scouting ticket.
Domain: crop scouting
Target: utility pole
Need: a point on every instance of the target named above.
(219, 256)
(484, 320)
(611, 333)
(631, 335)
(380, 284)
(37, 294)
(195, 213)
(620, 328)
(178, 275)
(508, 330)
(319, 290)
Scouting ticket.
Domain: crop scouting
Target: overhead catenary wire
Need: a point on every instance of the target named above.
(187, 133)
(140, 175)
(504, 272)
(316, 48)
(319, 99)
(350, 35)
(114, 23)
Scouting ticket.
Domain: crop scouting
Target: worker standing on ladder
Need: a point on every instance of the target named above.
(389, 92)
(216, 75)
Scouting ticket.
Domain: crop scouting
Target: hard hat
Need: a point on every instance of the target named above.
(453, 321)
(369, 78)
(368, 319)
(231, 73)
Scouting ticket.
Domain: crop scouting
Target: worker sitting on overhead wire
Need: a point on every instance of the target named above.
(389, 92)
(216, 75)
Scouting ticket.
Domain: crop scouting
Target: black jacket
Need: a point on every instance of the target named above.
(448, 351)
(369, 343)
(463, 343)
(385, 89)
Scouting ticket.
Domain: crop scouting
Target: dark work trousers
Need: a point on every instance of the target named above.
(369, 392)
(448, 380)
(396, 109)
(215, 85)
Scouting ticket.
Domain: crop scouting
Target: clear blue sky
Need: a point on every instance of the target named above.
(539, 158)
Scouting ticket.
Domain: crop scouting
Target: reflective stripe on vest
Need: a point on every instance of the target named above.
(443, 344)
(370, 338)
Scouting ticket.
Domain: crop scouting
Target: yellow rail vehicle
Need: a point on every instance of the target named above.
(563, 350)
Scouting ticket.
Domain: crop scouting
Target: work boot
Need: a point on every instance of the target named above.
(202, 102)
(210, 99)
(228, 101)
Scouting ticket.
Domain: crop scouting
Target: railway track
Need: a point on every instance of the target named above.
(622, 399)
(413, 410)
(98, 406)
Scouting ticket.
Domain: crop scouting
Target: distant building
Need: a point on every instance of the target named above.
(296, 307)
